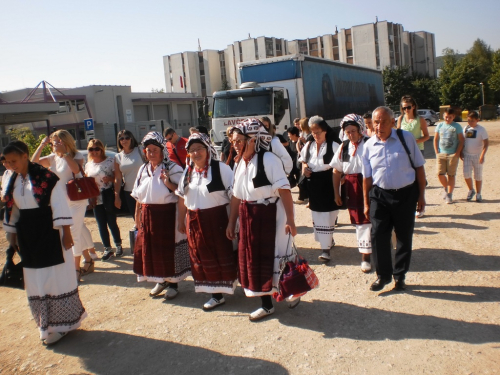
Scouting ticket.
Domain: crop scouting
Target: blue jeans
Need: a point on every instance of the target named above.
(106, 217)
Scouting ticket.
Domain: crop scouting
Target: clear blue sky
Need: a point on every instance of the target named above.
(114, 42)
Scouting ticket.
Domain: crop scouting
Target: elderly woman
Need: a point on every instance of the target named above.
(66, 162)
(263, 202)
(102, 168)
(348, 162)
(38, 218)
(161, 252)
(127, 163)
(316, 156)
(204, 194)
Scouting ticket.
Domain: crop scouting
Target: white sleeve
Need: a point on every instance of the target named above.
(61, 214)
(180, 186)
(275, 173)
(10, 227)
(336, 163)
(227, 177)
(136, 182)
(282, 153)
(303, 152)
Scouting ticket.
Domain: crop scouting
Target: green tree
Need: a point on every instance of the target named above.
(425, 90)
(225, 85)
(494, 80)
(26, 135)
(396, 84)
(450, 60)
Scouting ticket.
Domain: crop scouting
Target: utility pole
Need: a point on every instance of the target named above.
(482, 91)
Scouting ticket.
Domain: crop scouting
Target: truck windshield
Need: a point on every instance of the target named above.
(243, 106)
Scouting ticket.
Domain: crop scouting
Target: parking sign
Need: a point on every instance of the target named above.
(89, 124)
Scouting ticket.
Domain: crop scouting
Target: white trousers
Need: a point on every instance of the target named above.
(324, 226)
(363, 235)
(78, 213)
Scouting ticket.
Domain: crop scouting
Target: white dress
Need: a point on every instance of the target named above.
(52, 291)
(323, 222)
(243, 189)
(61, 168)
(150, 189)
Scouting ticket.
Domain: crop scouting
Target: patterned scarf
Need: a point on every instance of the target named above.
(253, 128)
(42, 182)
(211, 155)
(352, 119)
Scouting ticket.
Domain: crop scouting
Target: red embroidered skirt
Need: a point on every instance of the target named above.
(256, 246)
(155, 247)
(355, 201)
(213, 260)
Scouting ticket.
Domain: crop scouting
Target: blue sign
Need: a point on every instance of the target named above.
(89, 124)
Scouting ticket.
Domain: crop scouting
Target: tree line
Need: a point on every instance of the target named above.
(458, 84)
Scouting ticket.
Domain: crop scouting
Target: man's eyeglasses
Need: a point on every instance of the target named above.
(407, 108)
(125, 138)
(90, 149)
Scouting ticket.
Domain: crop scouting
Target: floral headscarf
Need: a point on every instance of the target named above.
(156, 139)
(352, 119)
(253, 128)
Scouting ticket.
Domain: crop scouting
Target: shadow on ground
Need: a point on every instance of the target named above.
(119, 353)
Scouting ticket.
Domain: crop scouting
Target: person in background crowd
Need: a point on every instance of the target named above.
(176, 147)
(193, 130)
(276, 145)
(305, 133)
(296, 123)
(263, 202)
(391, 192)
(294, 177)
(204, 193)
(448, 144)
(161, 252)
(413, 123)
(38, 218)
(67, 163)
(102, 169)
(202, 129)
(228, 152)
(316, 157)
(129, 159)
(473, 154)
(6, 175)
(367, 118)
(347, 162)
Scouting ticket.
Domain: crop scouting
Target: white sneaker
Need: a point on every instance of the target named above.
(470, 195)
(213, 303)
(366, 266)
(261, 314)
(449, 199)
(444, 194)
(54, 337)
(160, 287)
(420, 213)
(324, 257)
(479, 198)
(171, 293)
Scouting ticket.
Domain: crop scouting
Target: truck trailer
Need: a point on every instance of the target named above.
(296, 86)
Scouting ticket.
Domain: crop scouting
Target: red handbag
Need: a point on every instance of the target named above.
(80, 188)
(296, 277)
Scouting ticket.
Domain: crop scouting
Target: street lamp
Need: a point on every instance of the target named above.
(482, 91)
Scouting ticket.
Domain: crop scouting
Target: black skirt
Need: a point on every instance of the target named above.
(321, 194)
(39, 243)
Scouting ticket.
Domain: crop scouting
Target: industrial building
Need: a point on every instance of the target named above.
(373, 45)
(112, 108)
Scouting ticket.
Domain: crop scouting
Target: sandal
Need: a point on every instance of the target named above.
(87, 268)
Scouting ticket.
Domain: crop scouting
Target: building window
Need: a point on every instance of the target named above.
(349, 53)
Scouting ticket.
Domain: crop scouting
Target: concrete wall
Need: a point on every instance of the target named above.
(213, 80)
(177, 71)
(231, 72)
(363, 45)
(192, 72)
(248, 49)
(383, 44)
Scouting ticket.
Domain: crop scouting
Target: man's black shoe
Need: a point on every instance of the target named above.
(379, 284)
(400, 285)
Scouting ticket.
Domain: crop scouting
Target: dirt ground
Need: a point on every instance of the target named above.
(447, 321)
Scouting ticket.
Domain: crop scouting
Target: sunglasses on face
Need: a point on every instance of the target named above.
(94, 149)
(126, 138)
(407, 108)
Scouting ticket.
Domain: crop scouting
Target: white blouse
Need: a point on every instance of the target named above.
(243, 185)
(150, 189)
(197, 196)
(99, 171)
(355, 165)
(316, 163)
(60, 167)
(280, 151)
(24, 199)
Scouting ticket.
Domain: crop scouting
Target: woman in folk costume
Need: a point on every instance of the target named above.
(263, 202)
(204, 194)
(348, 162)
(161, 252)
(38, 218)
(316, 156)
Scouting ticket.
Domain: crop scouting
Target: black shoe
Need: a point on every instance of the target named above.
(119, 251)
(379, 284)
(400, 285)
